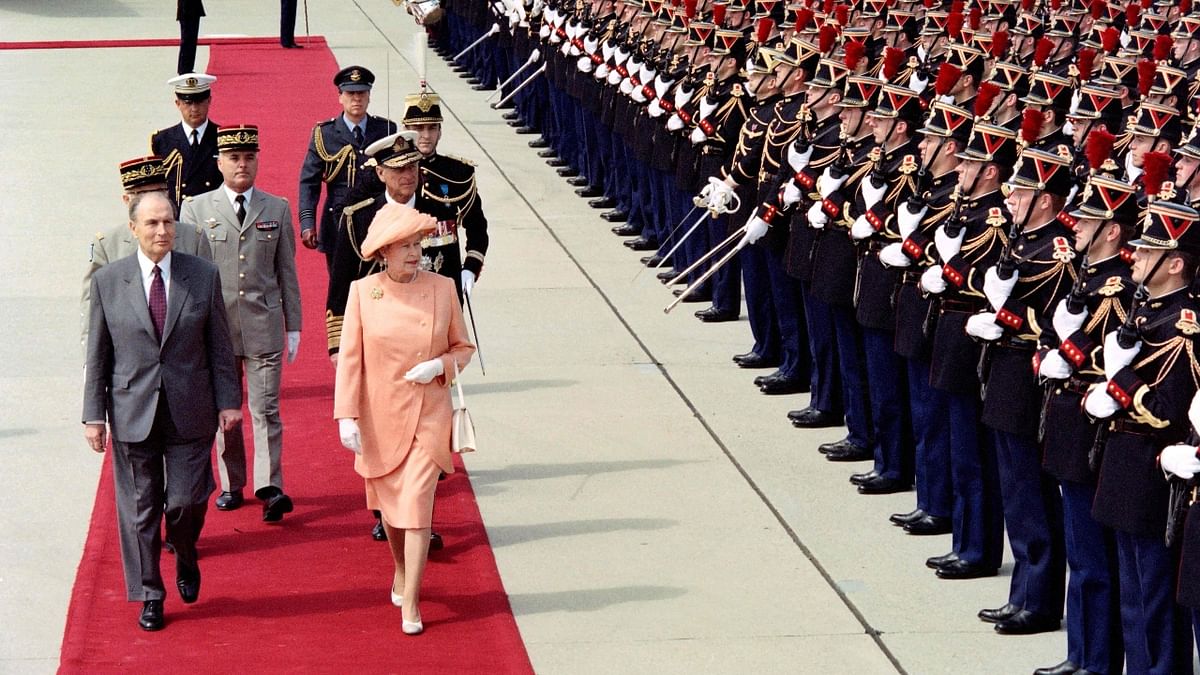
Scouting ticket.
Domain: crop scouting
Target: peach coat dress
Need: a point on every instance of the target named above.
(405, 426)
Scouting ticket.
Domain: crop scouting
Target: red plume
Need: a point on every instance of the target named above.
(947, 76)
(719, 13)
(988, 91)
(956, 7)
(1085, 59)
(854, 53)
(842, 14)
(930, 4)
(826, 38)
(1109, 39)
(1031, 125)
(1027, 5)
(1097, 9)
(1132, 12)
(1146, 71)
(1099, 147)
(1055, 4)
(1156, 166)
(954, 24)
(689, 9)
(1162, 47)
(1185, 7)
(1146, 4)
(975, 17)
(892, 58)
(763, 30)
(1042, 51)
(999, 44)
(827, 8)
(804, 17)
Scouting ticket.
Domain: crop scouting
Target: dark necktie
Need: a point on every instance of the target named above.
(358, 137)
(241, 210)
(158, 302)
(195, 139)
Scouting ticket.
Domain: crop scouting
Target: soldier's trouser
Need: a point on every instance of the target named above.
(826, 388)
(978, 517)
(1156, 629)
(262, 374)
(852, 363)
(931, 436)
(889, 410)
(1093, 596)
(727, 282)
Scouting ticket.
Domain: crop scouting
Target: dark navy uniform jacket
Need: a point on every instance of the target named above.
(189, 172)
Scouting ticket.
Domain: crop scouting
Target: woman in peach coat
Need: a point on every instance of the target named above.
(402, 338)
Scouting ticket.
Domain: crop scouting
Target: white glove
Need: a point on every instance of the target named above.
(791, 193)
(827, 184)
(584, 64)
(698, 136)
(907, 221)
(917, 83)
(1054, 366)
(1068, 129)
(799, 160)
(1180, 460)
(425, 371)
(293, 345)
(468, 282)
(1194, 412)
(1065, 323)
(351, 438)
(932, 280)
(1098, 403)
(601, 71)
(861, 228)
(1117, 357)
(816, 216)
(892, 255)
(871, 193)
(654, 109)
(996, 289)
(716, 193)
(983, 326)
(947, 246)
(756, 228)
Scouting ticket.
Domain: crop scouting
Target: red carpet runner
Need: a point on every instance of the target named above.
(309, 594)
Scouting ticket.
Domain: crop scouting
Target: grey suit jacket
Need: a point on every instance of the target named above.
(128, 368)
(257, 260)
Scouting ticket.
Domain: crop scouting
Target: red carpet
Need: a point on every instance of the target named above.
(309, 594)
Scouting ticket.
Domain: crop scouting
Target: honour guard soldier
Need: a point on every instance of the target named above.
(144, 174)
(189, 149)
(450, 183)
(1151, 375)
(335, 155)
(1035, 271)
(250, 232)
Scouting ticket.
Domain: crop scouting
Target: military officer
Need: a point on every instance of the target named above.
(250, 232)
(335, 156)
(189, 149)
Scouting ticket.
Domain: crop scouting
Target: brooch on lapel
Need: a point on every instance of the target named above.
(376, 293)
(212, 222)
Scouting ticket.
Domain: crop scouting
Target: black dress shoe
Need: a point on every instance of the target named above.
(906, 518)
(811, 418)
(472, 80)
(615, 216)
(940, 561)
(556, 162)
(694, 296)
(602, 202)
(546, 152)
(666, 275)
(189, 586)
(647, 260)
(961, 569)
(151, 618)
(641, 244)
(860, 478)
(544, 145)
(1065, 668)
(435, 542)
(292, 45)
(566, 171)
(377, 532)
(229, 501)
(628, 230)
(1005, 611)
(483, 87)
(1026, 622)
(763, 379)
(527, 130)
(580, 182)
(510, 116)
(751, 360)
(849, 453)
(881, 485)
(589, 192)
(516, 124)
(843, 444)
(794, 385)
(510, 105)
(275, 506)
(928, 525)
(714, 315)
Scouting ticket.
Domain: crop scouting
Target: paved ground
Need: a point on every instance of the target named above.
(650, 511)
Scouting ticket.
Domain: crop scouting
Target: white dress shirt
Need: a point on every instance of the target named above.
(147, 266)
(249, 193)
(187, 131)
(411, 203)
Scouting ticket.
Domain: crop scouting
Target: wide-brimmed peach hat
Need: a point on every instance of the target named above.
(395, 222)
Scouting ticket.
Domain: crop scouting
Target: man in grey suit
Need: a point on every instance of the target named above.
(254, 246)
(160, 370)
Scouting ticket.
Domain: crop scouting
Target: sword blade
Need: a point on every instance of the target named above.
(475, 333)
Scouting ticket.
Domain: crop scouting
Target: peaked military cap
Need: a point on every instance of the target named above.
(990, 143)
(1158, 121)
(1043, 171)
(898, 103)
(1191, 146)
(1096, 102)
(422, 108)
(1169, 226)
(1106, 198)
(1048, 89)
(395, 151)
(860, 92)
(354, 78)
(831, 73)
(143, 172)
(239, 137)
(192, 87)
(948, 121)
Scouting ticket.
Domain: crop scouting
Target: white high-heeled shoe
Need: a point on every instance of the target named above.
(397, 599)
(411, 627)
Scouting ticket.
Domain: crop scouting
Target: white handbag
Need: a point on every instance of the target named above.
(462, 429)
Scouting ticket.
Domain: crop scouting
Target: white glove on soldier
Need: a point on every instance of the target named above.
(947, 246)
(790, 193)
(1117, 357)
(827, 184)
(716, 193)
(293, 345)
(907, 221)
(983, 326)
(468, 281)
(425, 371)
(698, 136)
(932, 280)
(861, 228)
(816, 216)
(1098, 403)
(1054, 366)
(1065, 323)
(892, 255)
(351, 438)
(799, 160)
(996, 289)
(1180, 460)
(871, 193)
(674, 122)
(756, 228)
(1194, 412)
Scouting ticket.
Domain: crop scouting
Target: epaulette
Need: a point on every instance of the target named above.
(460, 159)
(1187, 323)
(331, 120)
(1112, 286)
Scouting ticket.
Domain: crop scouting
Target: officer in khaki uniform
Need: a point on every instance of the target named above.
(253, 245)
(144, 174)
